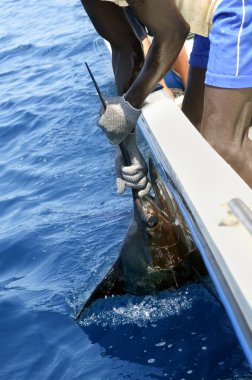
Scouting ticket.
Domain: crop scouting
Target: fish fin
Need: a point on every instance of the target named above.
(112, 284)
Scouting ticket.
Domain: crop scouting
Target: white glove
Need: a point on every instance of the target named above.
(118, 119)
(135, 175)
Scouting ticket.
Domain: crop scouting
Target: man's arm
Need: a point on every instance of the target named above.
(170, 31)
(112, 24)
(132, 76)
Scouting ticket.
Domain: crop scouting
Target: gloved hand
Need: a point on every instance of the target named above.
(118, 119)
(135, 175)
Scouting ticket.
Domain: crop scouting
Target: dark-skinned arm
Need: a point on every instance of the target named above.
(135, 79)
(132, 76)
(112, 24)
(170, 31)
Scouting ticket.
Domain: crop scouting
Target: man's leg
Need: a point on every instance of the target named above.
(194, 94)
(228, 92)
(225, 125)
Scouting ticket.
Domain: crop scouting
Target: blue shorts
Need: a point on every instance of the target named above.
(227, 53)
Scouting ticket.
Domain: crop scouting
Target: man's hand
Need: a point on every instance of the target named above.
(119, 119)
(135, 175)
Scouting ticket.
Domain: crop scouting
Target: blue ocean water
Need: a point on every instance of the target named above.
(62, 224)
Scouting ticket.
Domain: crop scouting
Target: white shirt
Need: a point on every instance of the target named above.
(198, 13)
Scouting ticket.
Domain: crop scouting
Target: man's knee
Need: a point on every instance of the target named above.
(230, 152)
(236, 157)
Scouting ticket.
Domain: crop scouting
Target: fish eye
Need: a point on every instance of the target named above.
(151, 220)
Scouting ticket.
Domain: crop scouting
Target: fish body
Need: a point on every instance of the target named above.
(157, 252)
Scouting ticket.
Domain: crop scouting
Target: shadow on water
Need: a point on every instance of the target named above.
(183, 334)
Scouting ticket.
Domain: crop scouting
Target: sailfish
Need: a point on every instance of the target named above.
(158, 251)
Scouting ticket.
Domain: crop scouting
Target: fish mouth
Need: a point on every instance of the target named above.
(160, 202)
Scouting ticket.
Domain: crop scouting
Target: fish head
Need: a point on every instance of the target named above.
(154, 222)
(163, 227)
